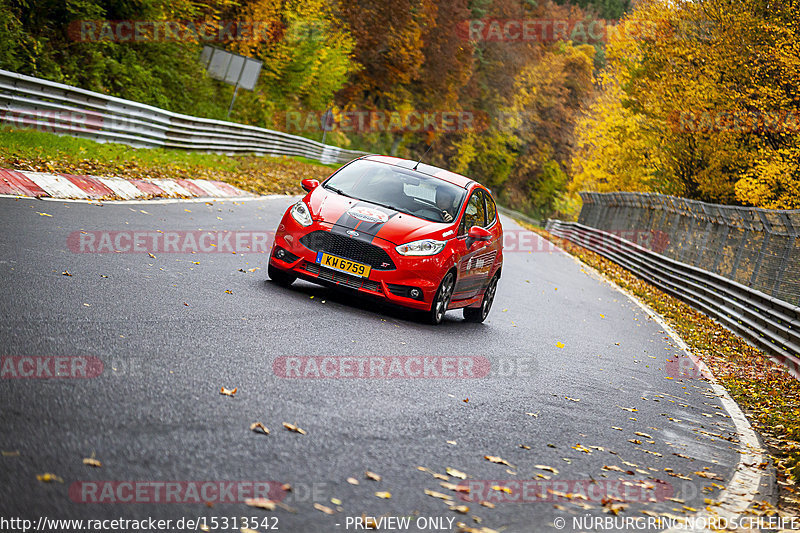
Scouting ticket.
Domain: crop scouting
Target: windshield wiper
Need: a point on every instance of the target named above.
(339, 191)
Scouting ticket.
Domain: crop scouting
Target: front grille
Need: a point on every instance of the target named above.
(349, 248)
(340, 278)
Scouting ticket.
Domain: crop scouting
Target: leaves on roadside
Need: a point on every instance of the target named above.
(91, 461)
(463, 509)
(372, 475)
(228, 392)
(49, 478)
(352, 481)
(384, 494)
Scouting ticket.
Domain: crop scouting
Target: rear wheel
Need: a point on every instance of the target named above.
(479, 314)
(284, 279)
(442, 299)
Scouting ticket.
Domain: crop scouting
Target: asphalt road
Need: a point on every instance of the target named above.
(562, 345)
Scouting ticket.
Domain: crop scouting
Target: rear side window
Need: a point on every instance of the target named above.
(491, 210)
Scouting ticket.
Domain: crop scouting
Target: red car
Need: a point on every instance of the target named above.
(413, 234)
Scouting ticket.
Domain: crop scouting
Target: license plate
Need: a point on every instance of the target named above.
(343, 265)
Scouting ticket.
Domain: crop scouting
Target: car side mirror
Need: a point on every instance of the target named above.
(477, 234)
(309, 185)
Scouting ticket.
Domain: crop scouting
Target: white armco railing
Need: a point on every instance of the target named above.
(29, 102)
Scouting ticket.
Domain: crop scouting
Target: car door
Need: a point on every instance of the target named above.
(475, 263)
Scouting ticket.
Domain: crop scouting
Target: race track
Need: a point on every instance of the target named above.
(561, 344)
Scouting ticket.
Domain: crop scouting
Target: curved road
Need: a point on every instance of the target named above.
(562, 345)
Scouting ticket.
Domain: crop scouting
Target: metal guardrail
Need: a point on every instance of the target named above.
(45, 105)
(519, 216)
(769, 323)
(759, 248)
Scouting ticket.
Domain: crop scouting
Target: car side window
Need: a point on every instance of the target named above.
(491, 210)
(475, 214)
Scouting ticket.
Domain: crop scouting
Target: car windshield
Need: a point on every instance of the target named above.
(403, 190)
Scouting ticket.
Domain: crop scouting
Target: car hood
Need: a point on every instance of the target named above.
(348, 214)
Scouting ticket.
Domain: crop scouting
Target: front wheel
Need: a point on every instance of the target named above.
(280, 277)
(479, 314)
(442, 299)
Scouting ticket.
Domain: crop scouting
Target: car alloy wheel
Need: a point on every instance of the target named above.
(442, 299)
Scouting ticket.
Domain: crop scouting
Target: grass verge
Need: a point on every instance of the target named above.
(24, 149)
(764, 390)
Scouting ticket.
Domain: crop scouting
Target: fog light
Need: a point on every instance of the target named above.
(280, 253)
(414, 293)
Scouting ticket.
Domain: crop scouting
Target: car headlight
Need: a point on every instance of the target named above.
(301, 214)
(423, 247)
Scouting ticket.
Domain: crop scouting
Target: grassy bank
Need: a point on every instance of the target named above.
(766, 392)
(46, 152)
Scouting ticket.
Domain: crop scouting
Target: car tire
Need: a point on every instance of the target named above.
(280, 277)
(441, 301)
(479, 314)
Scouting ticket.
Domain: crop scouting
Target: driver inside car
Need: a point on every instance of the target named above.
(444, 201)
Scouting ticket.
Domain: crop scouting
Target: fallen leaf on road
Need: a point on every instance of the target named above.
(615, 468)
(463, 509)
(292, 427)
(498, 460)
(49, 478)
(66, 273)
(336, 501)
(631, 409)
(581, 448)
(384, 495)
(261, 503)
(501, 488)
(490, 505)
(645, 435)
(91, 461)
(228, 392)
(258, 427)
(454, 487)
(151, 255)
(559, 345)
(572, 399)
(43, 214)
(456, 473)
(439, 495)
(372, 475)
(323, 508)
(352, 481)
(548, 468)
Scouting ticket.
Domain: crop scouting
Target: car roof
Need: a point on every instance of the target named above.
(430, 170)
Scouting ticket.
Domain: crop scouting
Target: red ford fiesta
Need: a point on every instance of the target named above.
(412, 234)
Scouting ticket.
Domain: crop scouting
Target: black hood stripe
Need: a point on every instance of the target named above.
(370, 230)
